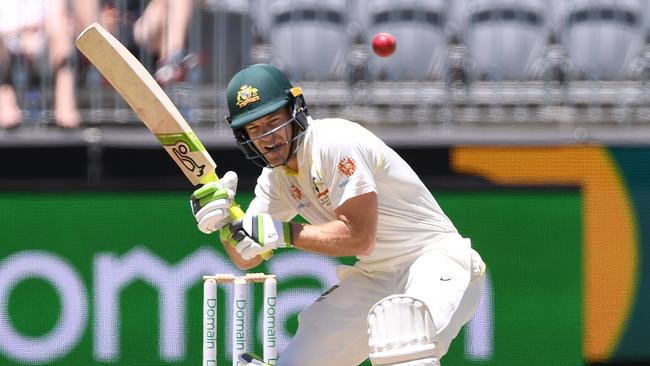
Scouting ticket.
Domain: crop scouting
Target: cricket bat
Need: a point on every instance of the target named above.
(141, 91)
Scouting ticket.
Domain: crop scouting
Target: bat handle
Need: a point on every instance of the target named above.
(237, 214)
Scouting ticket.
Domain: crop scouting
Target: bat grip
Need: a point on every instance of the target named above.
(237, 214)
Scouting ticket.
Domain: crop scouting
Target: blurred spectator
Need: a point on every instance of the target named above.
(10, 114)
(162, 30)
(34, 31)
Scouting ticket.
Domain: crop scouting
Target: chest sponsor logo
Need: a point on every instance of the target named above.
(321, 191)
(347, 166)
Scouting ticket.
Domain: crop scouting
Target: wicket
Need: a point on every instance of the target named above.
(240, 334)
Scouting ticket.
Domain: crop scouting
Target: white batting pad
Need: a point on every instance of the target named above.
(401, 332)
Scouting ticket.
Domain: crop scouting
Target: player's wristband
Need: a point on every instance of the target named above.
(287, 233)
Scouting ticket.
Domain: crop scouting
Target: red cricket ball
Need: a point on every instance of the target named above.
(383, 44)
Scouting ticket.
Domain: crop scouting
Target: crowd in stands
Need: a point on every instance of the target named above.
(439, 42)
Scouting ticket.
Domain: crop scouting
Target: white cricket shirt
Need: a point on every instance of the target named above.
(339, 160)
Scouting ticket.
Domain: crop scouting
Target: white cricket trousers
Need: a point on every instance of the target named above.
(333, 331)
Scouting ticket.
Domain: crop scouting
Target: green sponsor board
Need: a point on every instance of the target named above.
(115, 279)
(531, 242)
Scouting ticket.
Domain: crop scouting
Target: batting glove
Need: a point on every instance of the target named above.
(258, 234)
(211, 203)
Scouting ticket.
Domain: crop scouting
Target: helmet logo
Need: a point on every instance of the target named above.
(246, 95)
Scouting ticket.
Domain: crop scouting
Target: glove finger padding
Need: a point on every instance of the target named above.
(249, 248)
(211, 219)
(216, 205)
(210, 204)
(229, 180)
(235, 236)
(257, 234)
(223, 189)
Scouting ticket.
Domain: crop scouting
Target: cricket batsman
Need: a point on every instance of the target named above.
(416, 281)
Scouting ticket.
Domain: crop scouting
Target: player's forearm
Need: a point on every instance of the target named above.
(335, 238)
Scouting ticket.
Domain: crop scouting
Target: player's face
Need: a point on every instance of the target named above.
(271, 135)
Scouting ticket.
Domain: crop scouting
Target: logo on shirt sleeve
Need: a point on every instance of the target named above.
(347, 166)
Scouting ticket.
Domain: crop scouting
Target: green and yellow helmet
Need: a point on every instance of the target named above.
(259, 90)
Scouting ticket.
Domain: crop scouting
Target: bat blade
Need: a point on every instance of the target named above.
(136, 85)
(141, 91)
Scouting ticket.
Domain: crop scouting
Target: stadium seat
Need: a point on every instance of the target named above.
(223, 35)
(455, 11)
(259, 12)
(603, 38)
(506, 39)
(358, 19)
(646, 16)
(556, 11)
(419, 27)
(309, 38)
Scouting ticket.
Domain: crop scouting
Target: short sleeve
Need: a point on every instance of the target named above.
(349, 166)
